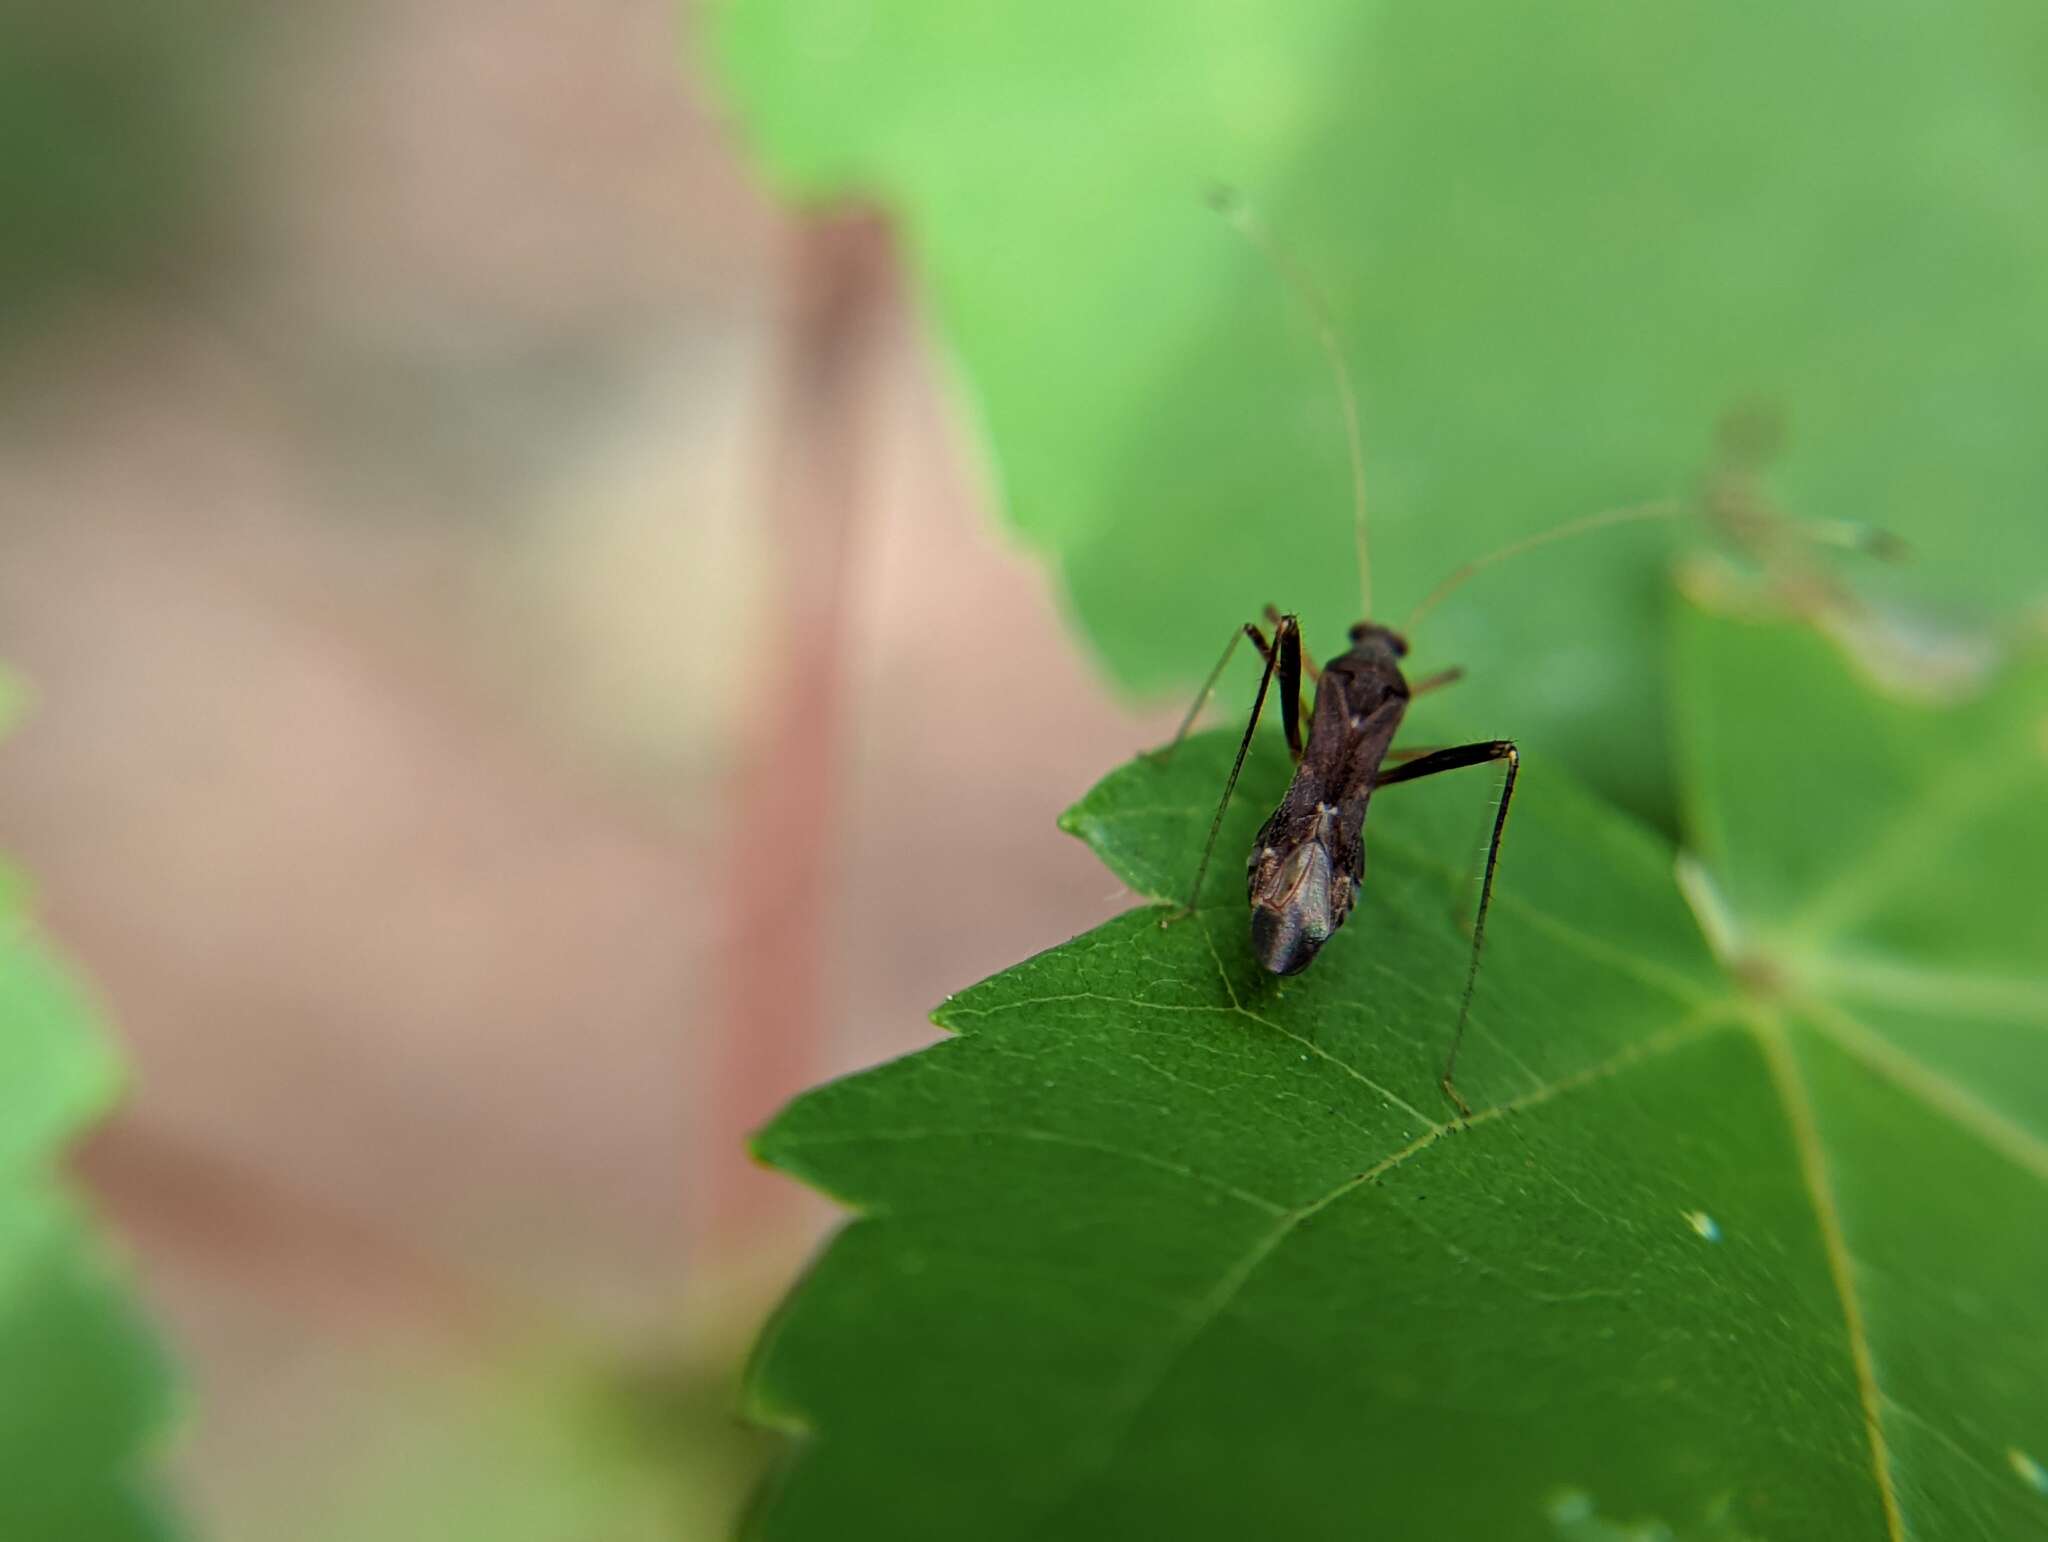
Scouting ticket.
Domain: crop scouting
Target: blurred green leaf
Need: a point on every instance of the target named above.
(84, 1388)
(83, 1385)
(112, 124)
(537, 1446)
(1560, 241)
(1743, 1243)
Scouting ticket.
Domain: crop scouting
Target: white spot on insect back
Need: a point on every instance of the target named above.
(2031, 1472)
(1704, 1224)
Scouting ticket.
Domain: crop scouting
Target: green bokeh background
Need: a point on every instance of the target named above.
(83, 1387)
(1559, 242)
(114, 146)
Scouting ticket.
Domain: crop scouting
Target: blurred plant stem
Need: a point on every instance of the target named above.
(770, 885)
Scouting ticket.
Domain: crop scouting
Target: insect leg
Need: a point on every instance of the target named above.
(1308, 667)
(1400, 757)
(1457, 759)
(1287, 648)
(1437, 681)
(1209, 687)
(1285, 655)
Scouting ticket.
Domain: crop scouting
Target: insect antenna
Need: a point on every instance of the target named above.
(1669, 508)
(1227, 203)
(1751, 525)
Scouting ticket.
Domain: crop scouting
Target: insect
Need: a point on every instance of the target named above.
(1308, 861)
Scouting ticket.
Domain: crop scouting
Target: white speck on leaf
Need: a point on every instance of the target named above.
(1578, 1519)
(1571, 1506)
(2031, 1472)
(1704, 1224)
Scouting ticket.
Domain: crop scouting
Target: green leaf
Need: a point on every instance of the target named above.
(56, 1072)
(539, 1446)
(83, 1385)
(1160, 1245)
(1887, 903)
(111, 141)
(1559, 241)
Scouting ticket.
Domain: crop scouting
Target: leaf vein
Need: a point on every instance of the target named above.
(1665, 981)
(1152, 1374)
(1925, 1085)
(1307, 1043)
(1798, 1106)
(1927, 827)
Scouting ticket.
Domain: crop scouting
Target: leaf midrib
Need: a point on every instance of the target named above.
(1716, 1016)
(1797, 1104)
(1720, 1014)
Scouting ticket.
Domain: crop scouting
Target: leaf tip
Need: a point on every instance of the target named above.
(765, 1145)
(942, 1016)
(760, 1407)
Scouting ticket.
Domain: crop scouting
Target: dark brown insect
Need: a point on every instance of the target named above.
(1308, 862)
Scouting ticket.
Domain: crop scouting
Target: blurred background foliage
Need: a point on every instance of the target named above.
(85, 1386)
(1559, 245)
(116, 137)
(376, 383)
(442, 496)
